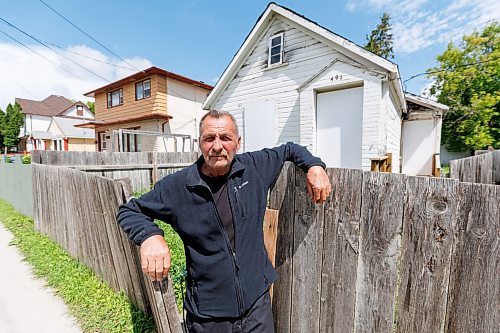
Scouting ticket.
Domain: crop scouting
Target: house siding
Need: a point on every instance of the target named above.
(130, 107)
(306, 59)
(184, 103)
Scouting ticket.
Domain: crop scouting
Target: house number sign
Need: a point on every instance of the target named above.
(337, 77)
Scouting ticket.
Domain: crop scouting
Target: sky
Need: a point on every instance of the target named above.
(198, 38)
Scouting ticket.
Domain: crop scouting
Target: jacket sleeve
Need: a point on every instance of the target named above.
(137, 216)
(270, 161)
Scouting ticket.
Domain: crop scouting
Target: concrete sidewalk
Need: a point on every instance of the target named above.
(26, 304)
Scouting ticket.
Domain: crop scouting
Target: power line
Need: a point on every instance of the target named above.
(39, 41)
(87, 57)
(448, 70)
(86, 34)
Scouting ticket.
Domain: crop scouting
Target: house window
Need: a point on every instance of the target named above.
(115, 98)
(58, 144)
(142, 90)
(275, 50)
(79, 110)
(131, 142)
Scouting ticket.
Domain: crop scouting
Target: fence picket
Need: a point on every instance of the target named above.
(428, 228)
(379, 243)
(474, 292)
(340, 251)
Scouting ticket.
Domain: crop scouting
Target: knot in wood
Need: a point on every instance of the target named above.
(439, 233)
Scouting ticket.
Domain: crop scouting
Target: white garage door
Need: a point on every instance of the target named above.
(339, 123)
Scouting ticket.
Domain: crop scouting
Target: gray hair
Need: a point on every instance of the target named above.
(218, 114)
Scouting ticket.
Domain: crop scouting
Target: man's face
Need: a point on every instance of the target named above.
(219, 142)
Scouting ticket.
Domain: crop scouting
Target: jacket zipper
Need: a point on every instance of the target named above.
(234, 260)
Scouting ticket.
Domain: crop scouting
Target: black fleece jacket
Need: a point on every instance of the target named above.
(221, 282)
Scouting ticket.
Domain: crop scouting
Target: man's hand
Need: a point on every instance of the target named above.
(155, 258)
(318, 184)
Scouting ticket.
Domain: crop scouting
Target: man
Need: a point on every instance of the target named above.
(217, 207)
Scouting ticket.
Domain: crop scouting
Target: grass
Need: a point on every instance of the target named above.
(95, 306)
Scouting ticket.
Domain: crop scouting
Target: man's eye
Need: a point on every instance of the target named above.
(209, 139)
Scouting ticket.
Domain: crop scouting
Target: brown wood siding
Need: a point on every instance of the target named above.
(131, 108)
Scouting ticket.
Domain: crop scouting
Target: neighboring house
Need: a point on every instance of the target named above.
(422, 136)
(293, 80)
(38, 116)
(147, 110)
(66, 136)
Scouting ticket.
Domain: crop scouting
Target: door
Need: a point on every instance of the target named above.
(102, 141)
(339, 123)
(259, 124)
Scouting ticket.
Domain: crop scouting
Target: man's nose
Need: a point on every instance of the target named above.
(217, 144)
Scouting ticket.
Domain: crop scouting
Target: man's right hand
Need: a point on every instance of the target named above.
(155, 258)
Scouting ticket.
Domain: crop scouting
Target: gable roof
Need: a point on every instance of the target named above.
(344, 45)
(50, 106)
(144, 74)
(425, 102)
(67, 127)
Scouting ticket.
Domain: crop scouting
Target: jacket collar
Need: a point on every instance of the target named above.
(193, 176)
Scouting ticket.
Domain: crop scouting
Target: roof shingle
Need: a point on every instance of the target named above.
(50, 106)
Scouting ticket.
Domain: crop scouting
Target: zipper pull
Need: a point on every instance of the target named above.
(235, 261)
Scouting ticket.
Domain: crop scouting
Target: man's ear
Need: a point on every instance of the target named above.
(239, 143)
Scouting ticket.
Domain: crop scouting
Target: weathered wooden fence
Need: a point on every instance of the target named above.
(78, 211)
(15, 185)
(143, 169)
(484, 168)
(387, 253)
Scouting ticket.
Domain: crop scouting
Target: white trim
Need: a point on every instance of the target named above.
(281, 35)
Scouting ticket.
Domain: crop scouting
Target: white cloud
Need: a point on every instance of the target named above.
(25, 74)
(418, 24)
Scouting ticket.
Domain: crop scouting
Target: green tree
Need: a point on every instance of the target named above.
(467, 79)
(91, 106)
(13, 120)
(380, 40)
(2, 125)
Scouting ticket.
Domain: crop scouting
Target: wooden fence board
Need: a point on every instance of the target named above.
(307, 256)
(474, 292)
(284, 200)
(428, 228)
(380, 236)
(484, 168)
(340, 251)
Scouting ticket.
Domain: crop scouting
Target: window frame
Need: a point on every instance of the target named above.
(141, 84)
(281, 35)
(109, 98)
(79, 110)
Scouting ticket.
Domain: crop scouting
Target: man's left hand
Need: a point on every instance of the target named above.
(318, 184)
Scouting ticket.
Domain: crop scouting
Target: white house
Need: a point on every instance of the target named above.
(422, 136)
(38, 116)
(293, 80)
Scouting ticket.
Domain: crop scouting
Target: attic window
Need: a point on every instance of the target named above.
(275, 50)
(79, 110)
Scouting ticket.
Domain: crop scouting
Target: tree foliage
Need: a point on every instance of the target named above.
(467, 79)
(11, 122)
(380, 40)
(91, 106)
